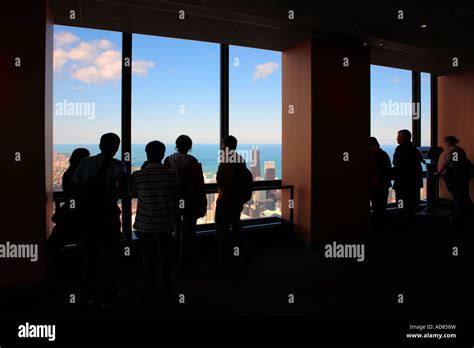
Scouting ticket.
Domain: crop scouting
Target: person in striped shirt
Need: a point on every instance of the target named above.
(156, 188)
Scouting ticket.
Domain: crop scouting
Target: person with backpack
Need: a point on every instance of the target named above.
(379, 181)
(456, 169)
(100, 181)
(192, 201)
(234, 184)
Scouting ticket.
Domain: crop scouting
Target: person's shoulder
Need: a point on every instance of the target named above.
(136, 173)
(87, 163)
(192, 158)
(118, 164)
(170, 171)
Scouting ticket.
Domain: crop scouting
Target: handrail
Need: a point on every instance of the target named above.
(264, 185)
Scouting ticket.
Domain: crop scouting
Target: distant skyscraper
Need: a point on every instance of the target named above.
(269, 170)
(255, 162)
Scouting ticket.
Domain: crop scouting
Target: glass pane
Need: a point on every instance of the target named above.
(255, 108)
(425, 109)
(87, 92)
(391, 107)
(176, 90)
(263, 204)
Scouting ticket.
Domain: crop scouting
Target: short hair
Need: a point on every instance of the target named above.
(451, 139)
(109, 142)
(77, 155)
(155, 151)
(230, 142)
(373, 142)
(183, 143)
(405, 133)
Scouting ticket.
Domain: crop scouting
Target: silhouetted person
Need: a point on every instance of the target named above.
(456, 169)
(102, 181)
(234, 182)
(380, 173)
(407, 173)
(192, 202)
(156, 187)
(67, 219)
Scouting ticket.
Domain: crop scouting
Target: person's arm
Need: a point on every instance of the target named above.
(121, 179)
(78, 176)
(174, 194)
(447, 161)
(394, 168)
(166, 162)
(132, 188)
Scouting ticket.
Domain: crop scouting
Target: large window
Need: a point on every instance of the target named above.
(87, 91)
(175, 90)
(255, 90)
(391, 107)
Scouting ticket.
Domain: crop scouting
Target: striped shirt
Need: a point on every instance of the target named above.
(155, 186)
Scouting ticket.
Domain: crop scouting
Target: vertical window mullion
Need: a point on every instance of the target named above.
(224, 93)
(416, 105)
(127, 126)
(434, 109)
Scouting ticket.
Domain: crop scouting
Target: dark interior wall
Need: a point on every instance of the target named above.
(296, 135)
(332, 117)
(456, 115)
(26, 98)
(340, 128)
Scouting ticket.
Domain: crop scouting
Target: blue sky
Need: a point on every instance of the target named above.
(175, 90)
(394, 85)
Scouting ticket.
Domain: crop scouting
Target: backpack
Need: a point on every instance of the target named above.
(96, 203)
(245, 185)
(192, 188)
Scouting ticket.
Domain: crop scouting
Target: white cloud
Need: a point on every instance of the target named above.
(140, 67)
(93, 62)
(263, 70)
(396, 79)
(59, 58)
(89, 74)
(104, 44)
(64, 38)
(84, 52)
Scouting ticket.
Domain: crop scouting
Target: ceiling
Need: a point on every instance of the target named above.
(395, 42)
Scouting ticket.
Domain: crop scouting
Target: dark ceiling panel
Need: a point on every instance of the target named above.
(265, 24)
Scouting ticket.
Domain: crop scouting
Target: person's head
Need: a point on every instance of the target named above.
(373, 142)
(403, 136)
(451, 140)
(183, 144)
(77, 155)
(229, 142)
(155, 151)
(109, 144)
